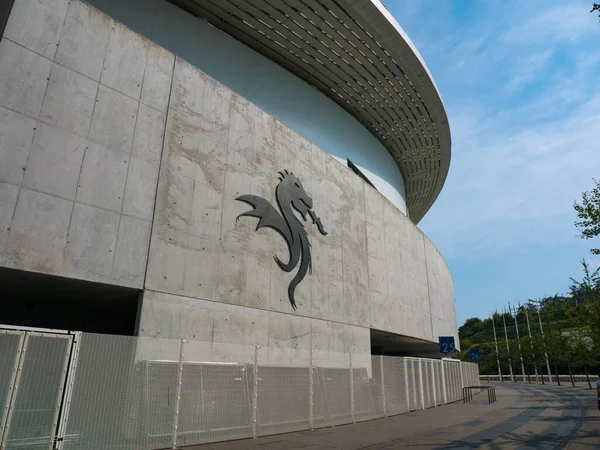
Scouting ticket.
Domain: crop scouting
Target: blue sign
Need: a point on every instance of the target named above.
(447, 344)
(474, 354)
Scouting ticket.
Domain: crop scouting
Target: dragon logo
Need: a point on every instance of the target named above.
(290, 195)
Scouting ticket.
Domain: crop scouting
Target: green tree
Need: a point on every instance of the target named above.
(470, 327)
(588, 288)
(589, 212)
(583, 354)
(528, 354)
(538, 342)
(559, 352)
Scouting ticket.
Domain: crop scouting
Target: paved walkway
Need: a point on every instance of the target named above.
(524, 417)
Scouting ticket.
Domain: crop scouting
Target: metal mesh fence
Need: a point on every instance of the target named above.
(334, 386)
(427, 383)
(117, 404)
(129, 393)
(437, 382)
(284, 393)
(38, 391)
(396, 375)
(471, 374)
(10, 351)
(454, 382)
(377, 385)
(367, 395)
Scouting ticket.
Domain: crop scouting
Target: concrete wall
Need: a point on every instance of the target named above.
(103, 133)
(275, 90)
(371, 270)
(82, 115)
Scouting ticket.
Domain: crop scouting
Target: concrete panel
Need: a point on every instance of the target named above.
(80, 148)
(201, 268)
(290, 338)
(166, 266)
(8, 201)
(232, 331)
(131, 254)
(377, 276)
(38, 233)
(210, 159)
(177, 317)
(16, 134)
(149, 133)
(114, 119)
(256, 294)
(174, 207)
(235, 325)
(140, 189)
(92, 239)
(443, 312)
(69, 101)
(23, 78)
(157, 78)
(100, 164)
(205, 216)
(37, 24)
(231, 278)
(125, 61)
(84, 40)
(216, 105)
(54, 162)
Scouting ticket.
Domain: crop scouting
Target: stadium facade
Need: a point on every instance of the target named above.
(223, 171)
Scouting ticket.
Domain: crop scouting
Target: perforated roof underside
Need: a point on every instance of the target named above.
(357, 54)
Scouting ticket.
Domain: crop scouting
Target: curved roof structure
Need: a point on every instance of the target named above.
(356, 53)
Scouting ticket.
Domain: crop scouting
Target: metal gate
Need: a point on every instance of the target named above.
(36, 370)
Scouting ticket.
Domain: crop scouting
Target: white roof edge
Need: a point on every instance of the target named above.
(382, 8)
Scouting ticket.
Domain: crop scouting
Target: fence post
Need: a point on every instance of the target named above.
(15, 382)
(414, 377)
(406, 393)
(310, 390)
(255, 393)
(433, 381)
(421, 383)
(462, 378)
(382, 385)
(444, 392)
(70, 383)
(178, 392)
(352, 391)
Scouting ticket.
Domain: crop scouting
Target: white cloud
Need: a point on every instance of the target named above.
(568, 22)
(527, 69)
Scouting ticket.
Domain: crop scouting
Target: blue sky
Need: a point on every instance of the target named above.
(521, 84)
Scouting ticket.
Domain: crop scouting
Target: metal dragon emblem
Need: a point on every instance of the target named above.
(290, 196)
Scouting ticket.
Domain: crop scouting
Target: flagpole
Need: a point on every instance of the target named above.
(518, 343)
(545, 352)
(496, 344)
(531, 342)
(512, 376)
